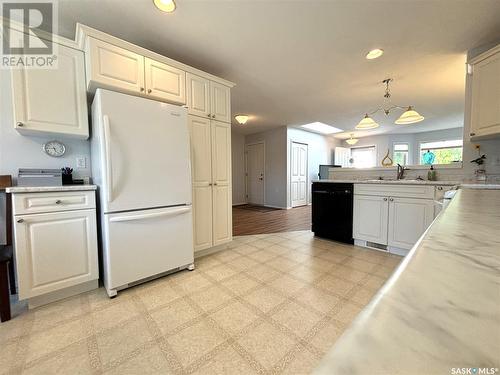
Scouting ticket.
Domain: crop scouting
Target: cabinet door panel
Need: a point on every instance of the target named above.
(55, 251)
(201, 159)
(115, 67)
(221, 102)
(485, 111)
(202, 220)
(408, 220)
(370, 218)
(221, 176)
(52, 100)
(198, 95)
(165, 82)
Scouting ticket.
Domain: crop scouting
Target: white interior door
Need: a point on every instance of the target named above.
(298, 186)
(255, 173)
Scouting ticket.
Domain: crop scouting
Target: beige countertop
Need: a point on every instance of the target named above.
(46, 189)
(440, 310)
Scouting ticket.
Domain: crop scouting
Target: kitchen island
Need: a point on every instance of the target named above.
(440, 310)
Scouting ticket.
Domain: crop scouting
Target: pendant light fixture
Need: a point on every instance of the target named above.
(367, 123)
(352, 141)
(409, 116)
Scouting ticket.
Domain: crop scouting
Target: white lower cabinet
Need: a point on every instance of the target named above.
(370, 218)
(55, 251)
(393, 223)
(408, 220)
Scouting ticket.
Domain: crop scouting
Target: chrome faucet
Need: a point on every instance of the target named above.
(401, 172)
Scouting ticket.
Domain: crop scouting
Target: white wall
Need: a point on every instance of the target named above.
(275, 174)
(238, 167)
(489, 147)
(21, 151)
(320, 151)
(18, 151)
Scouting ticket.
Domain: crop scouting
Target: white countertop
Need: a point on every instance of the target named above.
(441, 308)
(45, 189)
(395, 182)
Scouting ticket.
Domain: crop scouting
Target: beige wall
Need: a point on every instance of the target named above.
(238, 167)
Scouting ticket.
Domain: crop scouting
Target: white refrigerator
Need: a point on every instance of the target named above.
(141, 163)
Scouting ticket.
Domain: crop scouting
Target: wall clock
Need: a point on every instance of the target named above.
(54, 148)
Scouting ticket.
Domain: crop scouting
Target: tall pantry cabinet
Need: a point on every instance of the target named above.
(209, 111)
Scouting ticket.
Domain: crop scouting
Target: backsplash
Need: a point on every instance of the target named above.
(389, 173)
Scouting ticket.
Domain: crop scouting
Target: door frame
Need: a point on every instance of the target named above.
(263, 143)
(308, 201)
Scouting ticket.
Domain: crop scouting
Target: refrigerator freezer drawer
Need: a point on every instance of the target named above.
(141, 244)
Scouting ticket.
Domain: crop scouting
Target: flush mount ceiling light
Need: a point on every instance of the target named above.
(409, 116)
(242, 119)
(374, 53)
(165, 5)
(352, 141)
(319, 127)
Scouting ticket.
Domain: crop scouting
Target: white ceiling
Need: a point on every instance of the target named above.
(296, 62)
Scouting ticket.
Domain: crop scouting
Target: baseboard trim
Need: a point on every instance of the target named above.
(239, 204)
(279, 207)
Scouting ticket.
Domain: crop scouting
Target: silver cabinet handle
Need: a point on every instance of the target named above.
(215, 183)
(385, 199)
(58, 201)
(20, 221)
(210, 184)
(440, 188)
(391, 199)
(20, 124)
(142, 89)
(149, 91)
(209, 115)
(213, 116)
(472, 134)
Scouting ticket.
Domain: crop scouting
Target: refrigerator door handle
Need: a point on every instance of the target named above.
(170, 212)
(107, 152)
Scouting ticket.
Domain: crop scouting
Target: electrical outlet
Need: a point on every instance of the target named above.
(81, 162)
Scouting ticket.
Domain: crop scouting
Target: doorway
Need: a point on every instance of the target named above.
(298, 173)
(255, 161)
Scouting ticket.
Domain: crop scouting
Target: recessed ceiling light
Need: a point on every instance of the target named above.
(319, 127)
(242, 119)
(374, 53)
(165, 5)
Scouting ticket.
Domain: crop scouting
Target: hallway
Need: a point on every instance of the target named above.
(248, 219)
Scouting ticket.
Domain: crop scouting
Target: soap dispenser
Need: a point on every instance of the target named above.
(431, 175)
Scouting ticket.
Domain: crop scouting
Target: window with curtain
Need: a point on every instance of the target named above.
(400, 153)
(363, 157)
(441, 152)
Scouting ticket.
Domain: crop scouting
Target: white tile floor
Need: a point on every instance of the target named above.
(268, 304)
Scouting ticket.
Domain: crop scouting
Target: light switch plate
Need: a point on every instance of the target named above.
(81, 162)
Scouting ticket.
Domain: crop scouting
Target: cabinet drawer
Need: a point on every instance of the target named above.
(32, 203)
(407, 191)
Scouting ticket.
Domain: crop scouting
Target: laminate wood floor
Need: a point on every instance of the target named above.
(261, 220)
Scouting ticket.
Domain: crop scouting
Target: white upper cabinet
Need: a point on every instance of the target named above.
(52, 101)
(220, 102)
(485, 101)
(198, 95)
(206, 98)
(165, 82)
(110, 66)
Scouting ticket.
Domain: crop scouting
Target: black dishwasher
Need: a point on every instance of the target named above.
(332, 206)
